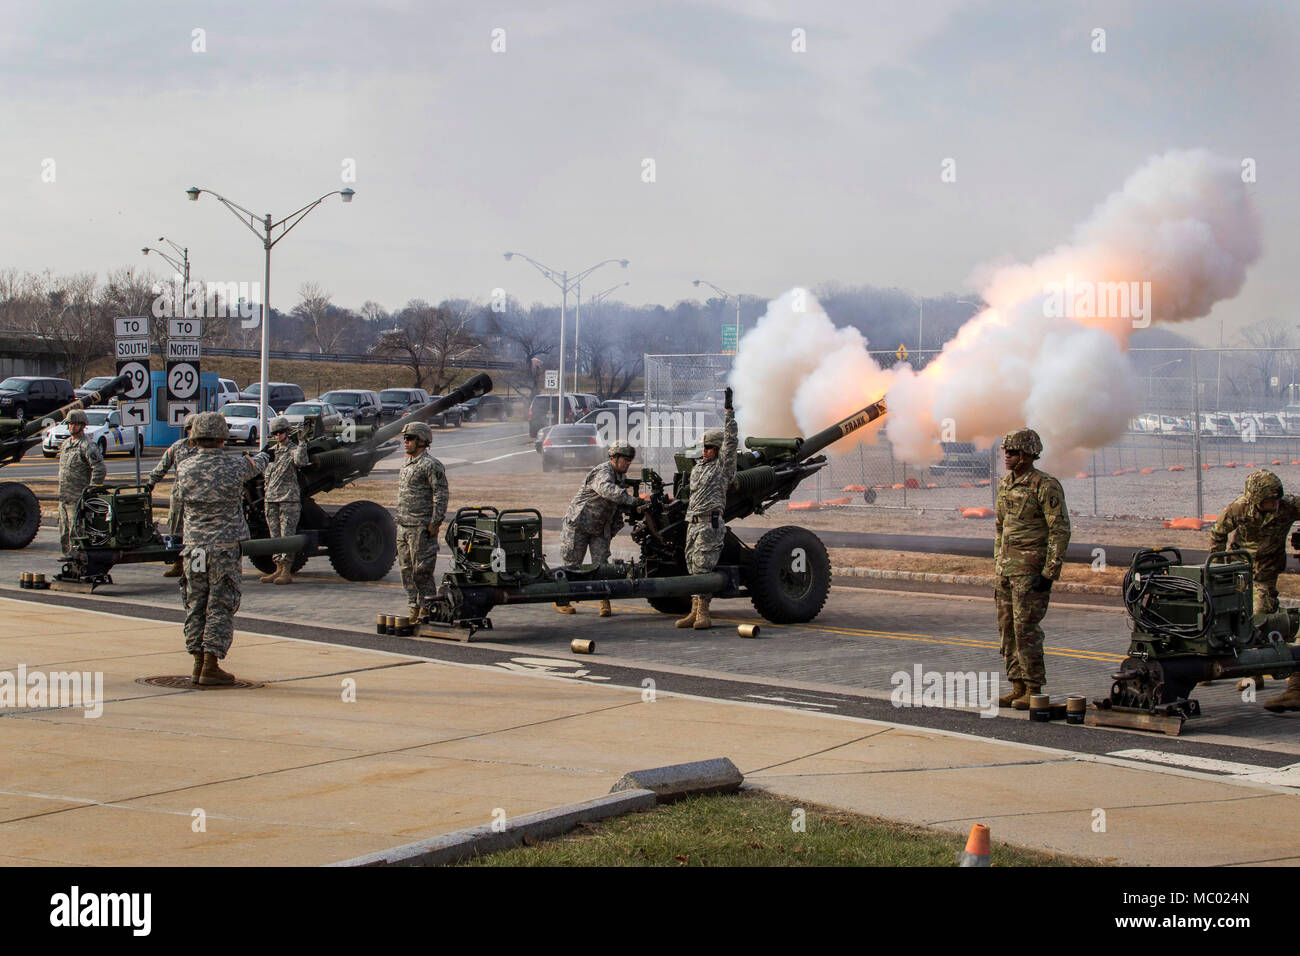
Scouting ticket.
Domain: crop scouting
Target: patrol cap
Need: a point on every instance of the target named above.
(1024, 440)
(279, 424)
(209, 425)
(419, 430)
(1262, 485)
(623, 451)
(712, 438)
(77, 417)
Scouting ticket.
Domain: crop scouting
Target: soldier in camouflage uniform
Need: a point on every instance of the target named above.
(595, 515)
(1032, 533)
(212, 486)
(80, 466)
(283, 495)
(706, 528)
(422, 495)
(1259, 522)
(173, 456)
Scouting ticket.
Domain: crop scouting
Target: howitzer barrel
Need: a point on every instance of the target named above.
(480, 384)
(115, 387)
(827, 436)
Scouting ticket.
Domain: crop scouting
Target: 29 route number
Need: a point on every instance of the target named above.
(182, 380)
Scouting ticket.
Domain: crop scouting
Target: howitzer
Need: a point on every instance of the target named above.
(497, 556)
(20, 514)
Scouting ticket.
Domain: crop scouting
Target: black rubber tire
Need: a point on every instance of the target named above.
(676, 606)
(20, 515)
(546, 465)
(362, 541)
(103, 448)
(780, 594)
(252, 440)
(49, 454)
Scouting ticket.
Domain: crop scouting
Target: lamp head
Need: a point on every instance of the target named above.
(508, 255)
(193, 193)
(347, 193)
(623, 263)
(145, 250)
(695, 282)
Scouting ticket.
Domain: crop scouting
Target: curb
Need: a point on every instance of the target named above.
(976, 580)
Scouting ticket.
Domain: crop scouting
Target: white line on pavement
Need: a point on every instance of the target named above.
(527, 451)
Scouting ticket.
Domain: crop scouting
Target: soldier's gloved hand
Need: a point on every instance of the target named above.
(727, 399)
(433, 529)
(1041, 584)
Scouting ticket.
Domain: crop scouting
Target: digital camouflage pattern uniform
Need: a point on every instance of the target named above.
(1262, 533)
(80, 466)
(422, 495)
(283, 496)
(212, 487)
(709, 483)
(172, 457)
(1030, 538)
(594, 515)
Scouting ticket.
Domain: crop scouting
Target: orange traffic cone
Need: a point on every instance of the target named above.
(977, 847)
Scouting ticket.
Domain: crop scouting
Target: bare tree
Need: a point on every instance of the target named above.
(429, 338)
(1267, 336)
(532, 336)
(326, 323)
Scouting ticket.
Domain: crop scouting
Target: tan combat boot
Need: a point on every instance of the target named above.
(1022, 702)
(212, 673)
(1017, 690)
(702, 620)
(605, 609)
(689, 619)
(270, 576)
(1290, 698)
(175, 570)
(565, 608)
(285, 576)
(415, 615)
(198, 667)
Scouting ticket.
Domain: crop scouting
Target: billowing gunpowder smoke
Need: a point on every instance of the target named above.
(1049, 351)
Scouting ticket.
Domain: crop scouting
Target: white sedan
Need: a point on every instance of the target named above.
(241, 419)
(104, 428)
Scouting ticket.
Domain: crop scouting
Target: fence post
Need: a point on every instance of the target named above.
(1196, 438)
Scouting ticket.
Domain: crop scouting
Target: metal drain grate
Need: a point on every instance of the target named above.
(183, 683)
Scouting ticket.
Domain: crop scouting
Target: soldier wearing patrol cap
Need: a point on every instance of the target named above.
(595, 515)
(1258, 522)
(706, 525)
(422, 495)
(1030, 538)
(80, 466)
(172, 457)
(282, 497)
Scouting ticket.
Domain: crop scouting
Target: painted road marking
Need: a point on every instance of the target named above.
(526, 451)
(1288, 776)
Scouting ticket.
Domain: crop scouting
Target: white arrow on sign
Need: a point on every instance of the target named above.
(134, 413)
(176, 412)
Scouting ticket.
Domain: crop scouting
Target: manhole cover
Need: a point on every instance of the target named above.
(184, 683)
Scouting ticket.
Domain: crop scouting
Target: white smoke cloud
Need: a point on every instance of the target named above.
(1049, 351)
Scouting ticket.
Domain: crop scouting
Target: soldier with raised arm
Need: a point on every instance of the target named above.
(706, 524)
(80, 466)
(422, 496)
(176, 453)
(283, 495)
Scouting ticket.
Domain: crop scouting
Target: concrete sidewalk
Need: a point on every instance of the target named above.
(298, 773)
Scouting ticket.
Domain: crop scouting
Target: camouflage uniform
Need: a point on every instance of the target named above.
(212, 486)
(1032, 533)
(709, 483)
(173, 456)
(422, 495)
(594, 516)
(80, 466)
(1262, 533)
(283, 496)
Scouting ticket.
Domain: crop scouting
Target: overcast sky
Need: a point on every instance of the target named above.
(772, 167)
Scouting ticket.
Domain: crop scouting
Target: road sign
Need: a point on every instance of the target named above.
(902, 353)
(182, 380)
(552, 378)
(176, 412)
(134, 413)
(131, 327)
(139, 372)
(183, 350)
(184, 328)
(729, 340)
(132, 349)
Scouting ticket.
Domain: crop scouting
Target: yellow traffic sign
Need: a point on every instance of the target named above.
(902, 352)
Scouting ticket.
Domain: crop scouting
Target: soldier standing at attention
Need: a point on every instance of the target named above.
(1032, 533)
(211, 484)
(706, 525)
(283, 495)
(80, 466)
(422, 495)
(173, 456)
(1258, 523)
(595, 516)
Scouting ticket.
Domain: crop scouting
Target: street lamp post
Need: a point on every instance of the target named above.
(182, 267)
(564, 282)
(268, 242)
(725, 296)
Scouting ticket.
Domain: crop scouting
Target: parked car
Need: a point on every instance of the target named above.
(298, 412)
(227, 392)
(92, 385)
(570, 446)
(280, 395)
(241, 419)
(356, 404)
(447, 418)
(31, 396)
(545, 411)
(103, 427)
(586, 402)
(487, 408)
(960, 459)
(395, 403)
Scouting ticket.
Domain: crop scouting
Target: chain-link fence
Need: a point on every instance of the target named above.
(1205, 418)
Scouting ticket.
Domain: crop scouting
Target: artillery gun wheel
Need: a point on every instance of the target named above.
(790, 576)
(671, 605)
(20, 515)
(362, 541)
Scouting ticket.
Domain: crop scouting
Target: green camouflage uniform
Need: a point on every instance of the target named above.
(422, 495)
(594, 515)
(1032, 532)
(283, 496)
(80, 466)
(212, 486)
(709, 483)
(173, 456)
(1263, 534)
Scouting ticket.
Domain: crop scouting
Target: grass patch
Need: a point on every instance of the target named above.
(754, 828)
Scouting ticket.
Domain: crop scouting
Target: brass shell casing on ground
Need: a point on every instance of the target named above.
(748, 630)
(581, 646)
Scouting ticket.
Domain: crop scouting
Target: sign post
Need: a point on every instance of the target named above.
(131, 334)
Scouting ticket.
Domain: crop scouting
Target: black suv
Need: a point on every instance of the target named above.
(397, 403)
(27, 396)
(358, 405)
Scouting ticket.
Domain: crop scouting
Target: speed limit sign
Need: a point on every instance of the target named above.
(182, 380)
